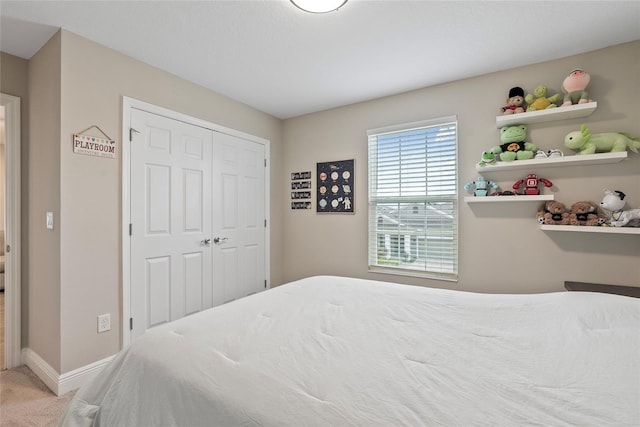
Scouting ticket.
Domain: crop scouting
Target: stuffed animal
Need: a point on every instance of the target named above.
(553, 213)
(613, 201)
(574, 87)
(514, 146)
(481, 185)
(588, 143)
(488, 158)
(515, 101)
(584, 213)
(539, 101)
(531, 184)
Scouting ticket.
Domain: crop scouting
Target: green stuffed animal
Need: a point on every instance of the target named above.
(574, 88)
(539, 101)
(514, 146)
(587, 143)
(487, 158)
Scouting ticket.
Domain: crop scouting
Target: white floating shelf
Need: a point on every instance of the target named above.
(507, 199)
(593, 229)
(549, 115)
(550, 162)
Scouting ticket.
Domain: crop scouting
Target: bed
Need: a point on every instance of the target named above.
(336, 351)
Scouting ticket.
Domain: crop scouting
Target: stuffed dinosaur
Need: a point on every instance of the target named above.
(587, 143)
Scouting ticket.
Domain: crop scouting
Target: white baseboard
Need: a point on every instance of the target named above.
(61, 384)
(42, 369)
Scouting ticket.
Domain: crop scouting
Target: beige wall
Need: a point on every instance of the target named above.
(43, 193)
(14, 74)
(501, 246)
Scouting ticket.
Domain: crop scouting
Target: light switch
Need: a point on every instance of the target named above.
(50, 220)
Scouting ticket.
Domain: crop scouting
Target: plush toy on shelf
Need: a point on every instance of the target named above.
(553, 213)
(584, 213)
(481, 185)
(539, 101)
(514, 146)
(614, 202)
(488, 158)
(589, 143)
(531, 183)
(515, 101)
(574, 88)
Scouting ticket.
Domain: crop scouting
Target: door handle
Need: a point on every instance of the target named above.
(205, 242)
(219, 239)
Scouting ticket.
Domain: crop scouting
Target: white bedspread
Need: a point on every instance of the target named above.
(331, 351)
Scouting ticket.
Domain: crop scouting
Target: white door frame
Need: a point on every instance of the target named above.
(127, 105)
(12, 283)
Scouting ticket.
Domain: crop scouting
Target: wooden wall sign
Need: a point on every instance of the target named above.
(93, 145)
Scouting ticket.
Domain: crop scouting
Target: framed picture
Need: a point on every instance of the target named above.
(335, 189)
(301, 184)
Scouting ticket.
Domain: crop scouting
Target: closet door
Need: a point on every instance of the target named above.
(239, 225)
(171, 217)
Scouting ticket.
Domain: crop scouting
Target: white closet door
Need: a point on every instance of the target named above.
(171, 216)
(239, 230)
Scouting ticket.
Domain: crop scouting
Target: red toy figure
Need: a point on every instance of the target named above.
(531, 184)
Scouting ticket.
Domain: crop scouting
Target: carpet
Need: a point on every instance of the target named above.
(26, 401)
(2, 330)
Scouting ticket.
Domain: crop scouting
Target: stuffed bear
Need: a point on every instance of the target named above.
(553, 213)
(515, 101)
(539, 101)
(514, 146)
(584, 213)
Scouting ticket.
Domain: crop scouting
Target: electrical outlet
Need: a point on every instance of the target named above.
(104, 323)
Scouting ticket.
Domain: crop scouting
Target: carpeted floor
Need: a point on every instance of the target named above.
(1, 330)
(26, 402)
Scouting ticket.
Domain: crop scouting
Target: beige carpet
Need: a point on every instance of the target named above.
(1, 331)
(26, 401)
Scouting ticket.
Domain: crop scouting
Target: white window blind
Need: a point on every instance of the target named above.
(413, 209)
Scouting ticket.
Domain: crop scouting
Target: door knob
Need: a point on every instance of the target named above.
(219, 239)
(205, 242)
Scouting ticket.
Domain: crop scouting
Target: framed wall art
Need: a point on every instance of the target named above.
(301, 189)
(335, 189)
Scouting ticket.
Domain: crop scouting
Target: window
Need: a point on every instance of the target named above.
(413, 200)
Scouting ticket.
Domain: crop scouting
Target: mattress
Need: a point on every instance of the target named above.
(335, 351)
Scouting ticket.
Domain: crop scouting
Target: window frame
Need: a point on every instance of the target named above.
(374, 200)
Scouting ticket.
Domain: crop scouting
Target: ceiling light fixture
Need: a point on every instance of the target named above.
(319, 6)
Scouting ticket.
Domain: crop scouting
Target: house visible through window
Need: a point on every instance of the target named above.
(413, 210)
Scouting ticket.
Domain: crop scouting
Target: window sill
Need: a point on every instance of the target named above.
(413, 273)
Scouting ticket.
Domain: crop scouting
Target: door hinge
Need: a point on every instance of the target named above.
(265, 163)
(265, 223)
(131, 132)
(131, 323)
(130, 229)
(265, 283)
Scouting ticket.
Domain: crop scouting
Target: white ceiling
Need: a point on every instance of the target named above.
(283, 61)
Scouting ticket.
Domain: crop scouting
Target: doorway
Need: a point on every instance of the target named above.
(195, 216)
(10, 106)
